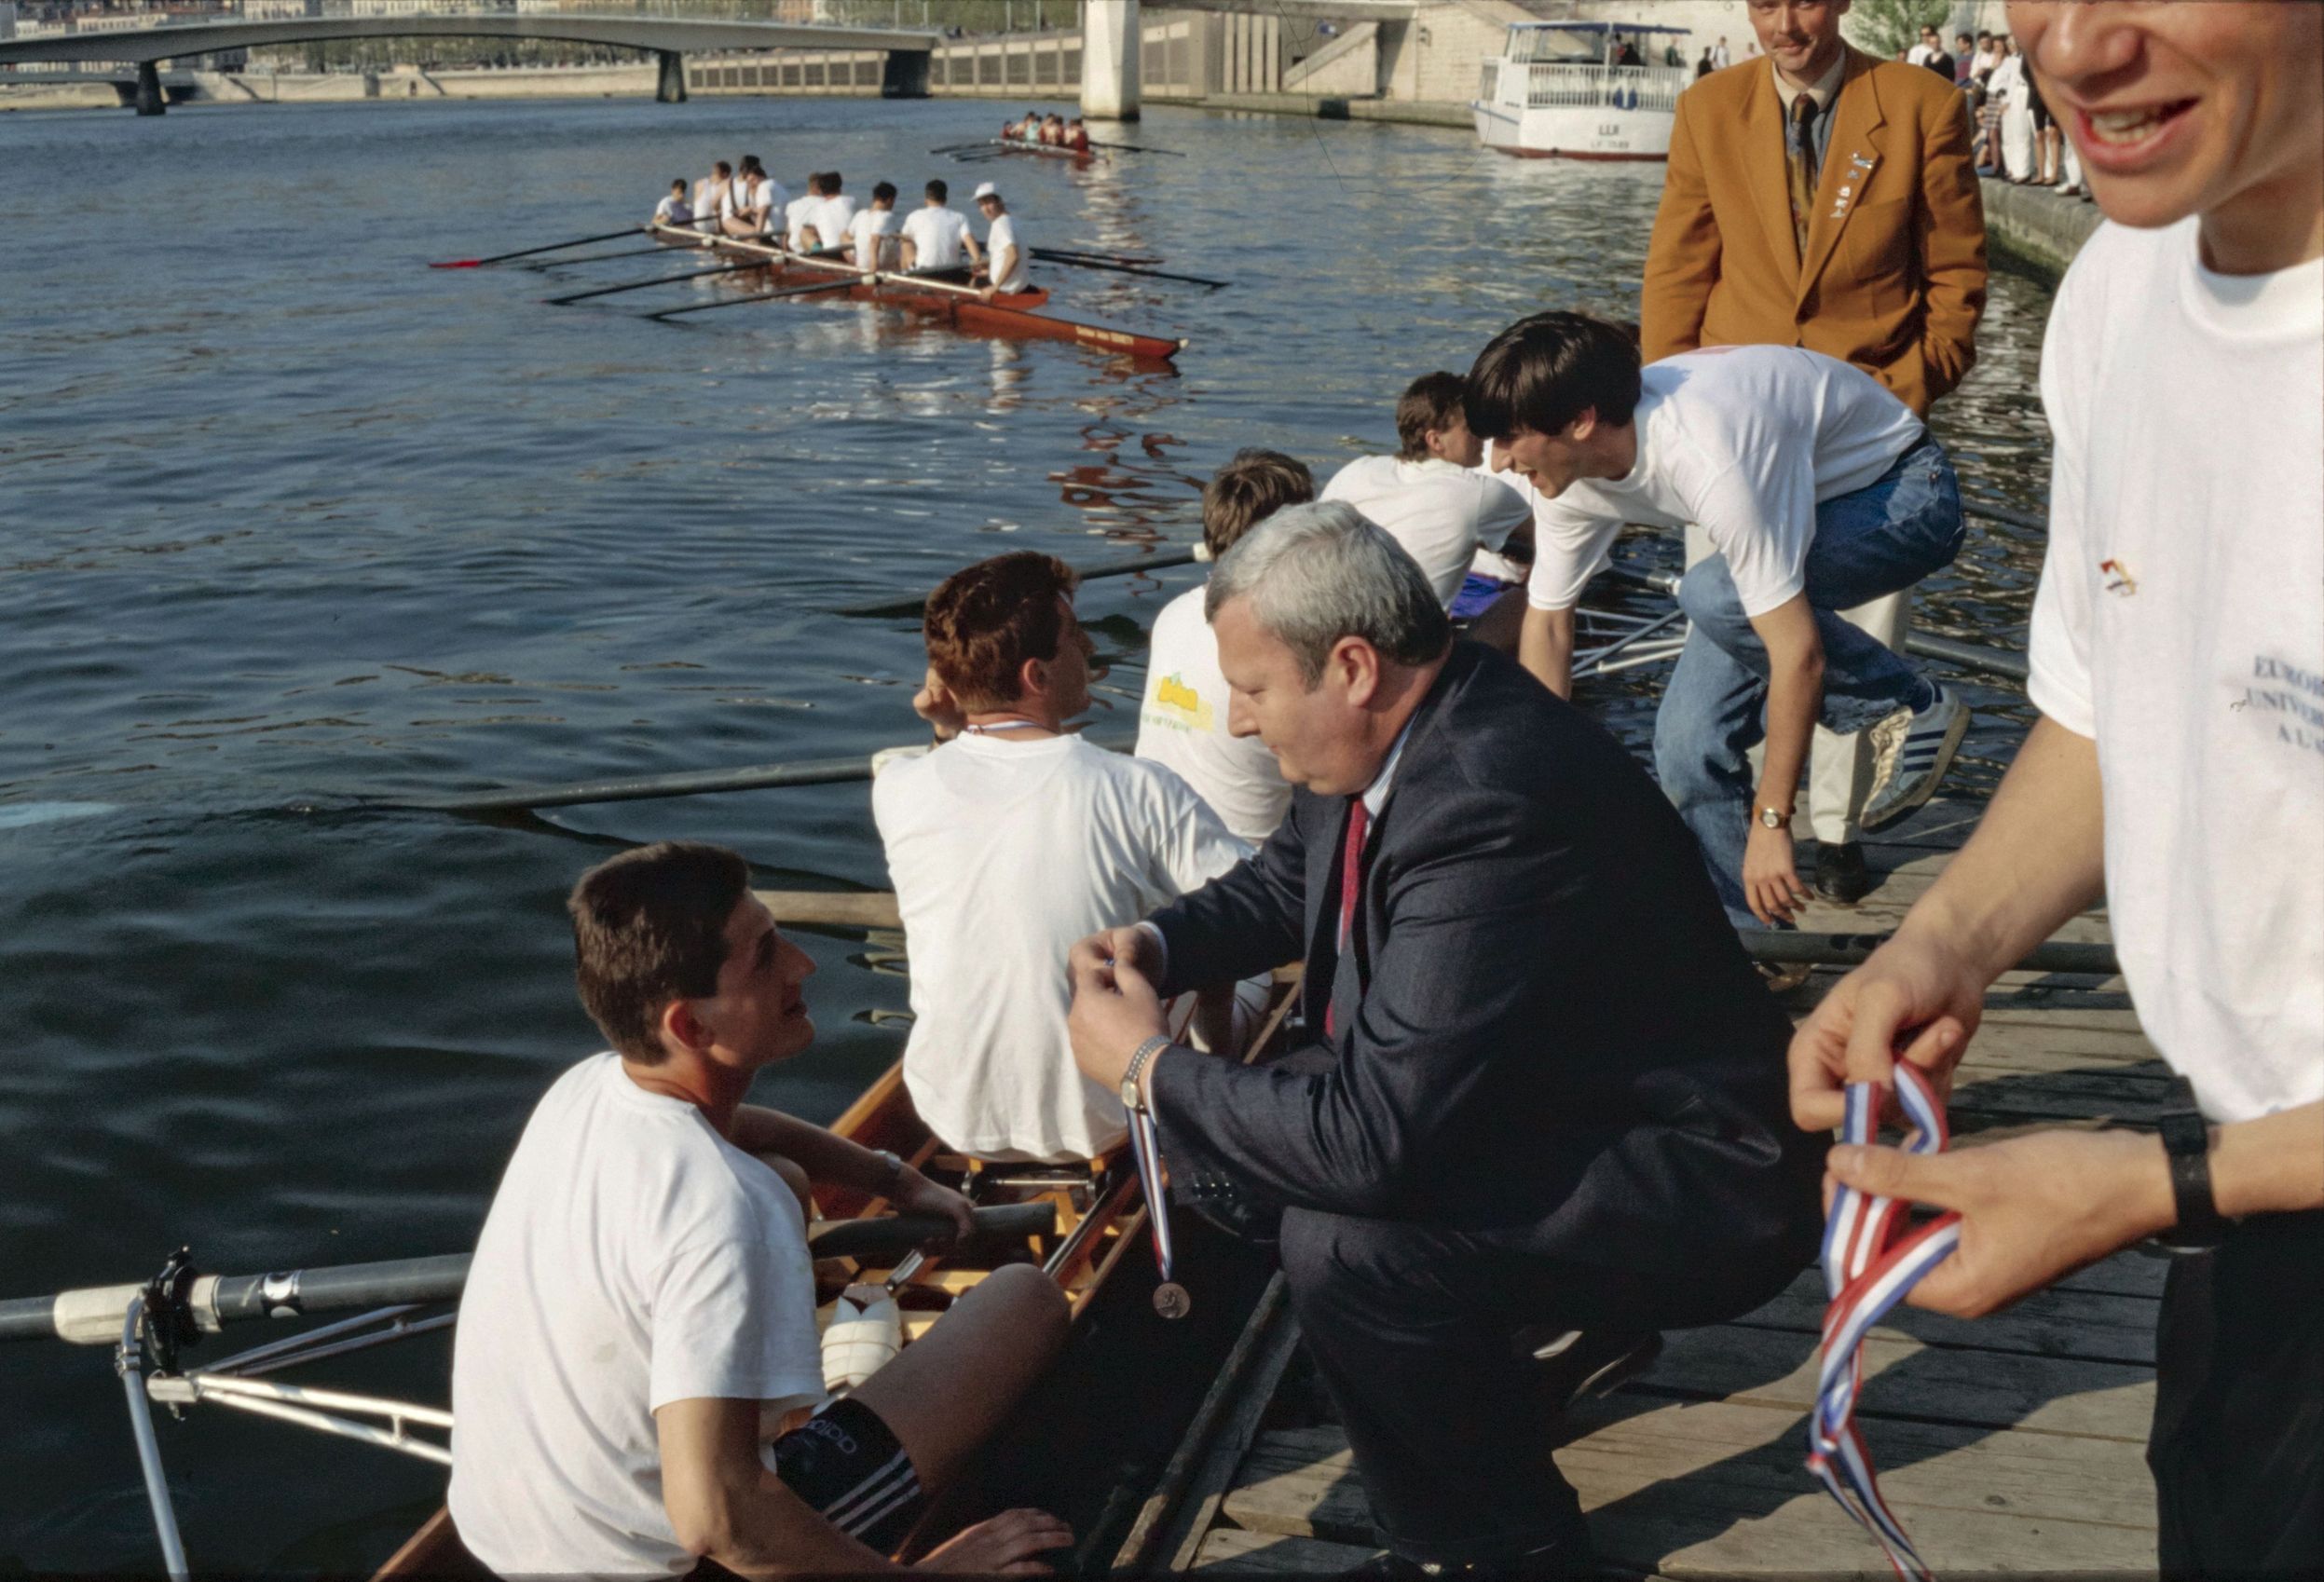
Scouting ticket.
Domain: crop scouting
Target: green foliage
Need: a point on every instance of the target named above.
(1885, 26)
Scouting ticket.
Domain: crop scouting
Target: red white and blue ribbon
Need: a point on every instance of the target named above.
(1147, 1148)
(1871, 1260)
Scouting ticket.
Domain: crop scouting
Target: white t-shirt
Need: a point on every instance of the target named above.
(1182, 726)
(673, 212)
(632, 1258)
(869, 226)
(1747, 441)
(838, 212)
(1003, 854)
(1003, 234)
(1440, 511)
(1918, 55)
(2180, 622)
(712, 201)
(936, 236)
(798, 214)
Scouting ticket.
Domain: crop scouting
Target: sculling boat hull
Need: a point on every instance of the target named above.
(1022, 315)
(1049, 150)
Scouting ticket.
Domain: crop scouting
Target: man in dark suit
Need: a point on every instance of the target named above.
(1549, 1088)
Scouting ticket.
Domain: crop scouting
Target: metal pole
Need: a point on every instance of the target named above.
(130, 1363)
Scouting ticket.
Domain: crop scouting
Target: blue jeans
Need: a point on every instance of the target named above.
(1885, 537)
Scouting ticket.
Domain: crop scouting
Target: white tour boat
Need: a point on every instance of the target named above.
(1553, 92)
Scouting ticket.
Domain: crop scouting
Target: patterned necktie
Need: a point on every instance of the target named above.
(1799, 160)
(1351, 873)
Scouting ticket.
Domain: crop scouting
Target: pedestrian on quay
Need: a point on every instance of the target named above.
(1543, 1096)
(1881, 265)
(2177, 767)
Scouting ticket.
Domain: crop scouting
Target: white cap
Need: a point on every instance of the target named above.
(986, 189)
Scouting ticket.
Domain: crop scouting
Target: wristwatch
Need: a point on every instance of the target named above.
(1774, 818)
(1133, 1095)
(2187, 1142)
(895, 1171)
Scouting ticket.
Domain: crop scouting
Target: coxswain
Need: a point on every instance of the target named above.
(799, 216)
(675, 209)
(1076, 136)
(838, 214)
(1005, 255)
(936, 237)
(871, 237)
(711, 194)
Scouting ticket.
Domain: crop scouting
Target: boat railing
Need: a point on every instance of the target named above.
(1558, 86)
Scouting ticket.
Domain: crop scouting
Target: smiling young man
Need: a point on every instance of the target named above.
(638, 1329)
(1819, 491)
(2178, 766)
(1544, 1090)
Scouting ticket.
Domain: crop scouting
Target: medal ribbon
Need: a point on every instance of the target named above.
(1147, 1149)
(1870, 1263)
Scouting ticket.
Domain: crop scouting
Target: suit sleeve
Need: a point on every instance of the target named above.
(1247, 921)
(1949, 239)
(1452, 987)
(1683, 257)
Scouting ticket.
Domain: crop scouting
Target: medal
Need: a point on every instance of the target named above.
(1172, 1301)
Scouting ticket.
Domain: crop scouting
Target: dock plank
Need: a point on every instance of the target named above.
(2092, 1325)
(1245, 1553)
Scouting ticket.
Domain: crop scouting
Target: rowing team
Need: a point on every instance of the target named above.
(1055, 132)
(934, 239)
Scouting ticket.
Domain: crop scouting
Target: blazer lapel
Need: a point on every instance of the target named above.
(1849, 161)
(1766, 175)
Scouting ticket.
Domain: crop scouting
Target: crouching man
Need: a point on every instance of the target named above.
(637, 1380)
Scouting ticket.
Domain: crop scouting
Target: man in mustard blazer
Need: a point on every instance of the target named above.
(1891, 276)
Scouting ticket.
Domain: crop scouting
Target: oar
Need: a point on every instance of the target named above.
(1137, 148)
(956, 147)
(1107, 257)
(528, 252)
(1047, 255)
(1129, 567)
(843, 283)
(1848, 949)
(666, 279)
(660, 249)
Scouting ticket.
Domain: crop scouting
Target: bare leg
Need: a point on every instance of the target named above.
(950, 1390)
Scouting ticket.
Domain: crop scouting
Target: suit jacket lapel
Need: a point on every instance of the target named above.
(1768, 177)
(1848, 165)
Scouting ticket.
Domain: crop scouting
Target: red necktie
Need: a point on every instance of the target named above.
(1351, 870)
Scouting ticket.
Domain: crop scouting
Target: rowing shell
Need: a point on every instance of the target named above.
(1101, 1211)
(1024, 314)
(1054, 151)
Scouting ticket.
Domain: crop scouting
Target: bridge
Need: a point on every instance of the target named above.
(671, 38)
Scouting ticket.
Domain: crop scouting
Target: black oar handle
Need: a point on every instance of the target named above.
(1848, 949)
(895, 1235)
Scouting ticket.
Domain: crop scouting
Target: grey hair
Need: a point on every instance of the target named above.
(1319, 572)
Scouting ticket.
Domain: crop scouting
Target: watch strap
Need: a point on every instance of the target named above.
(2187, 1143)
(1136, 1067)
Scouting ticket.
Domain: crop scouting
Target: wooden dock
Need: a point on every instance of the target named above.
(2012, 1444)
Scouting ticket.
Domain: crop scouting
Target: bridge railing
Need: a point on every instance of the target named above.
(1556, 86)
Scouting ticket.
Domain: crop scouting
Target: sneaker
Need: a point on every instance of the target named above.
(1911, 753)
(1840, 876)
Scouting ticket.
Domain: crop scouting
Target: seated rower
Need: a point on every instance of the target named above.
(1078, 135)
(838, 214)
(1435, 498)
(1183, 722)
(1005, 255)
(636, 1358)
(1053, 130)
(1819, 489)
(1010, 840)
(871, 235)
(755, 207)
(936, 238)
(675, 209)
(712, 195)
(799, 217)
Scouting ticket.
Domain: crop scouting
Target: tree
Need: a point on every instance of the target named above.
(1885, 26)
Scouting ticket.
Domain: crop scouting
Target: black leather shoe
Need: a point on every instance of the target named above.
(1572, 1556)
(1840, 876)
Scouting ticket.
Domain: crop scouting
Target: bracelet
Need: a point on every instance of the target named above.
(896, 1172)
(1133, 1095)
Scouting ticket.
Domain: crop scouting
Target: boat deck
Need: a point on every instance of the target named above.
(2012, 1444)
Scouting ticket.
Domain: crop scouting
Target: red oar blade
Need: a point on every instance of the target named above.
(459, 263)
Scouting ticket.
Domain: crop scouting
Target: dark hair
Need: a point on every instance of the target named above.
(1430, 402)
(1543, 373)
(1248, 490)
(937, 190)
(833, 180)
(987, 620)
(650, 927)
(750, 162)
(884, 192)
(722, 168)
(679, 182)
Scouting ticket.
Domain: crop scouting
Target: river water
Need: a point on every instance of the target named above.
(288, 520)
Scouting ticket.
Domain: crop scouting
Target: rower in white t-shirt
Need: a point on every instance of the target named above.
(1182, 721)
(1005, 255)
(1007, 844)
(800, 218)
(938, 237)
(872, 242)
(838, 212)
(712, 195)
(1431, 496)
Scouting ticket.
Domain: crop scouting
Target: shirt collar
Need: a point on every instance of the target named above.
(1822, 90)
(1375, 794)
